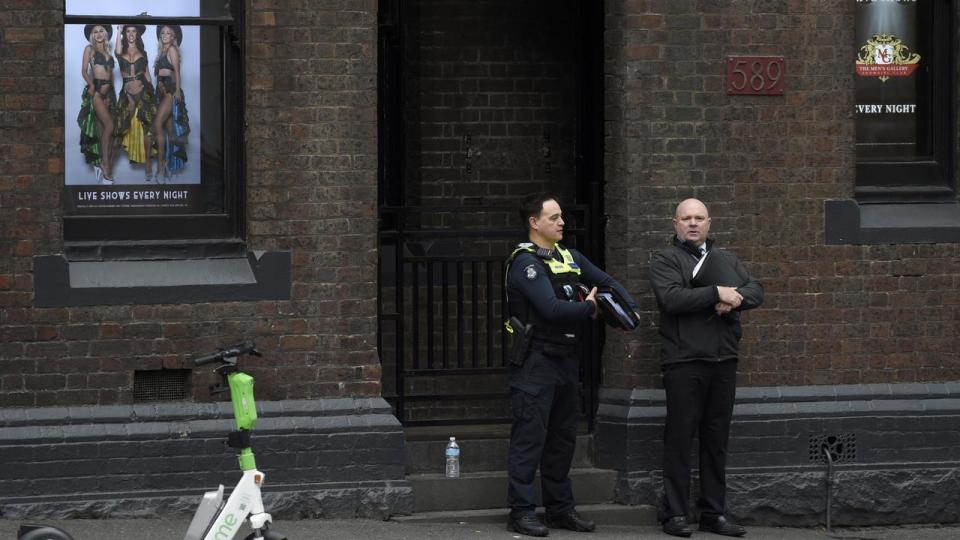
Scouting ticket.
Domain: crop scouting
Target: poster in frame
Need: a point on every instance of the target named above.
(132, 109)
(889, 54)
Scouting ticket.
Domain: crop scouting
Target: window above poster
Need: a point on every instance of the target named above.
(175, 8)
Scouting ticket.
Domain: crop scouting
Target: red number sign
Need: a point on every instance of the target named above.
(755, 75)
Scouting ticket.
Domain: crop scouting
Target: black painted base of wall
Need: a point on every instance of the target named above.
(322, 458)
(897, 449)
(373, 500)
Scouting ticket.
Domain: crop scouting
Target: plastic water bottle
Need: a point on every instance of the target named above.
(453, 458)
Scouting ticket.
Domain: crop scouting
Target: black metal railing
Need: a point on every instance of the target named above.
(440, 304)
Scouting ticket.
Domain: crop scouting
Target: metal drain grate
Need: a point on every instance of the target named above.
(842, 447)
(160, 385)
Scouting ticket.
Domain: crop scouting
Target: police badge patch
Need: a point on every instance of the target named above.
(531, 272)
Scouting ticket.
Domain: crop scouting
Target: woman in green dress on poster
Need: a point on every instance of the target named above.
(98, 103)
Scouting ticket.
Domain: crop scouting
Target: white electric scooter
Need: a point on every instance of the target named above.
(214, 519)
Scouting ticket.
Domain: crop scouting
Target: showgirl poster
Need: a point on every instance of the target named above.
(132, 109)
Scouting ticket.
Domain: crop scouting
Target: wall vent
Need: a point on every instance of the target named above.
(842, 447)
(160, 385)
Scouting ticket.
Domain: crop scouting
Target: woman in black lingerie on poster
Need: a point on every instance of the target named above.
(98, 103)
(137, 106)
(171, 125)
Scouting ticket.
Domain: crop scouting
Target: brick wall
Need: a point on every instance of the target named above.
(311, 181)
(491, 103)
(311, 108)
(852, 314)
(764, 166)
(31, 179)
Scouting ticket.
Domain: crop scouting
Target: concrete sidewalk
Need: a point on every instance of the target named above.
(448, 527)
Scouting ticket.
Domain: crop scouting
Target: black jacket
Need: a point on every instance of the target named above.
(531, 292)
(690, 329)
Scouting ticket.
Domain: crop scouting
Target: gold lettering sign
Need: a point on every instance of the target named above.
(885, 56)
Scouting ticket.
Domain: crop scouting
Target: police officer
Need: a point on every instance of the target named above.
(548, 306)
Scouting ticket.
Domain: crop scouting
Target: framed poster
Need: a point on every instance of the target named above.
(132, 109)
(888, 90)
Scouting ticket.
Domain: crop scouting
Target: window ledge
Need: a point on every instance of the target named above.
(258, 276)
(852, 222)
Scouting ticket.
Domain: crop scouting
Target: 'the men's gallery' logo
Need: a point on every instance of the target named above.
(885, 56)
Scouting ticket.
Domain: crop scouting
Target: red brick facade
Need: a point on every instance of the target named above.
(311, 190)
(764, 165)
(493, 108)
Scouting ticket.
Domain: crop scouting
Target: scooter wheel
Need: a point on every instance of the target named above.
(41, 532)
(267, 535)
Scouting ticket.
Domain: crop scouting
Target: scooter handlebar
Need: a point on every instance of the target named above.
(227, 352)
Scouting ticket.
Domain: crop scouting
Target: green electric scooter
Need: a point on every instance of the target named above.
(214, 518)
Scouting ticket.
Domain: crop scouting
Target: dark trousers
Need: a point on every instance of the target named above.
(545, 404)
(700, 398)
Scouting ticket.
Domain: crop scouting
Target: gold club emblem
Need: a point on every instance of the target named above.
(885, 56)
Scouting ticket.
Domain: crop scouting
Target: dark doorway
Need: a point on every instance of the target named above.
(481, 102)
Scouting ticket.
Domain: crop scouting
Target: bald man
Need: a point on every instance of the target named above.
(701, 290)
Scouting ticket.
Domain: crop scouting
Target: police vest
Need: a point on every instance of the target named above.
(564, 277)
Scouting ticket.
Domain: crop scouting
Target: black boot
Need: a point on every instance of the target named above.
(571, 521)
(677, 526)
(721, 525)
(527, 524)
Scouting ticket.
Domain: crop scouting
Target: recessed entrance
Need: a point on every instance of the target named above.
(481, 102)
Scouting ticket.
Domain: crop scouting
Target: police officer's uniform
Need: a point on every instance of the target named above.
(542, 291)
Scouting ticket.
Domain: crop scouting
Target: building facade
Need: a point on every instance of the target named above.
(350, 153)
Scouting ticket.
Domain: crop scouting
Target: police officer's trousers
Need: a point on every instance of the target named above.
(545, 404)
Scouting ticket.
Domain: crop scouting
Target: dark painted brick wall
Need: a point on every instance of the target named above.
(489, 115)
(893, 445)
(491, 103)
(327, 451)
